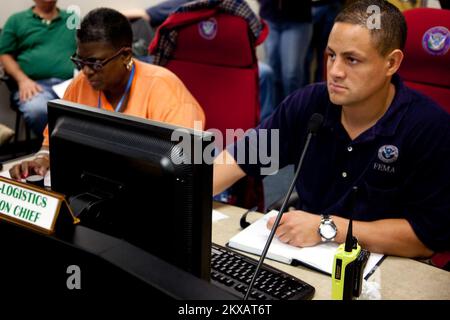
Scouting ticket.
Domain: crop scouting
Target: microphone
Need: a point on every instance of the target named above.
(314, 125)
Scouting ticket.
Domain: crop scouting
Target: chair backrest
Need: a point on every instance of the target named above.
(214, 55)
(221, 40)
(426, 66)
(215, 58)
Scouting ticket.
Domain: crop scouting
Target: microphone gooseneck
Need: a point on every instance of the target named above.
(314, 125)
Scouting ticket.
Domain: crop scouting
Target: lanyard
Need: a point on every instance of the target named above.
(119, 105)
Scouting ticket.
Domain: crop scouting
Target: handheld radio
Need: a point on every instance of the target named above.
(348, 267)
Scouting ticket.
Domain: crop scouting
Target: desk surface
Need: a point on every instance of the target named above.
(399, 278)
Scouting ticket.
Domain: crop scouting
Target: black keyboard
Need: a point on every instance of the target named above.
(233, 272)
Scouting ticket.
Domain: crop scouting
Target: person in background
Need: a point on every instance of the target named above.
(290, 26)
(380, 157)
(35, 47)
(112, 80)
(323, 14)
(157, 14)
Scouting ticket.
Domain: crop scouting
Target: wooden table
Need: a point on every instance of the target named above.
(398, 278)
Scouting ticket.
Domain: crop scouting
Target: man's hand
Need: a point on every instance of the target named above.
(298, 228)
(38, 166)
(28, 89)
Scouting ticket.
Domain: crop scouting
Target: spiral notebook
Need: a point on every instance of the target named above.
(320, 257)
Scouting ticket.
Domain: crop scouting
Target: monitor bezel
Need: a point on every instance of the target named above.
(61, 108)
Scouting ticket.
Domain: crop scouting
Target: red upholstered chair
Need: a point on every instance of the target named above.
(215, 58)
(219, 69)
(426, 66)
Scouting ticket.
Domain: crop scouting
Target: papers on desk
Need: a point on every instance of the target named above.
(60, 88)
(320, 257)
(217, 215)
(5, 174)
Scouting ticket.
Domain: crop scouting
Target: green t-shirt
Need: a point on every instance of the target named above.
(42, 50)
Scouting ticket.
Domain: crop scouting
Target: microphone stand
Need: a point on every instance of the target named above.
(313, 127)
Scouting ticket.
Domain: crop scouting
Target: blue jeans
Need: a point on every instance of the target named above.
(323, 20)
(266, 90)
(286, 48)
(35, 110)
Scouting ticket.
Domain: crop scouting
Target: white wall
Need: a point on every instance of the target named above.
(8, 7)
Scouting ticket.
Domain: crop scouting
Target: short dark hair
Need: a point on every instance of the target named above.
(392, 32)
(106, 25)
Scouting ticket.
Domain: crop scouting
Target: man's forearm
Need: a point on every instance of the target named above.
(12, 68)
(387, 236)
(226, 172)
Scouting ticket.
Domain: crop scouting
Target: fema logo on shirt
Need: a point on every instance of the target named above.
(436, 41)
(388, 153)
(208, 29)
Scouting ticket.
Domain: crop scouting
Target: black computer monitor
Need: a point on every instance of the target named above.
(132, 178)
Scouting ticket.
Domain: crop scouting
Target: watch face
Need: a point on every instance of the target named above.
(327, 231)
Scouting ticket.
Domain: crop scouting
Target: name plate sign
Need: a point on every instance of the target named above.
(32, 207)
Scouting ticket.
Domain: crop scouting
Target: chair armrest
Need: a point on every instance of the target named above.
(278, 203)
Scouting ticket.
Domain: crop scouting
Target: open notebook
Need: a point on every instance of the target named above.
(320, 257)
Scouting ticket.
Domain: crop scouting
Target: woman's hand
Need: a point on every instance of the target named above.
(39, 166)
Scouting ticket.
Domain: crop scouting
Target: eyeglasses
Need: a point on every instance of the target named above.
(96, 65)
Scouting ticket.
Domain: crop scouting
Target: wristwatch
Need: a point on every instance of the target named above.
(327, 229)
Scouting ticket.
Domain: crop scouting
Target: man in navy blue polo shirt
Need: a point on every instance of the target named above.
(390, 142)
